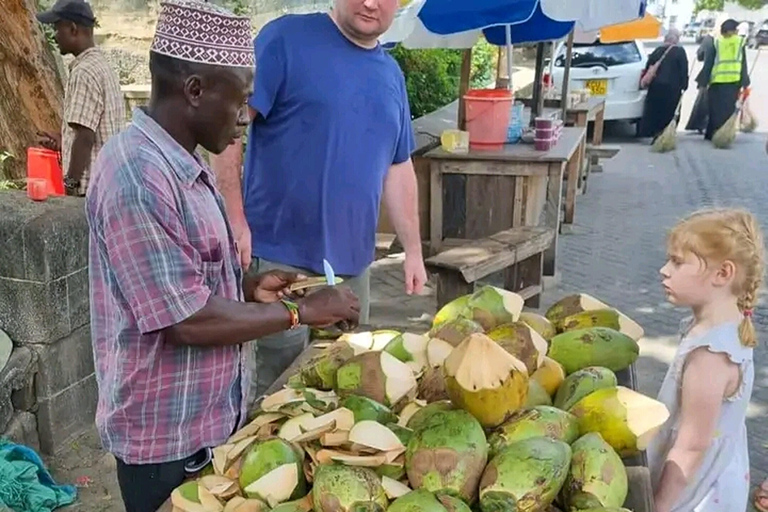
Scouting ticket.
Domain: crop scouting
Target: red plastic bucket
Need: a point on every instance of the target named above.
(44, 164)
(487, 115)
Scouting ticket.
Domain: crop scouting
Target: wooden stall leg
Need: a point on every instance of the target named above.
(574, 168)
(435, 209)
(451, 285)
(525, 276)
(597, 139)
(552, 214)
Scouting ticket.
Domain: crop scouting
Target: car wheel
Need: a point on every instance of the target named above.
(637, 128)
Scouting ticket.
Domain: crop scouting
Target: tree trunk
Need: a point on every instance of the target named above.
(31, 89)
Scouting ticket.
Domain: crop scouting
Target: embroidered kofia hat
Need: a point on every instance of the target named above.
(198, 31)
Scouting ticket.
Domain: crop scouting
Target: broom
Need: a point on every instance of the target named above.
(667, 140)
(748, 121)
(726, 134)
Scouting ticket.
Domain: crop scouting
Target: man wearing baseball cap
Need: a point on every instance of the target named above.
(93, 102)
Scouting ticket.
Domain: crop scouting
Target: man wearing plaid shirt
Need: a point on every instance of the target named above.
(93, 103)
(170, 309)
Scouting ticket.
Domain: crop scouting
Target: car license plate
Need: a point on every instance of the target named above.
(598, 87)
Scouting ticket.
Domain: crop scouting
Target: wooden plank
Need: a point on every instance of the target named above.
(435, 208)
(423, 180)
(454, 206)
(521, 200)
(570, 192)
(490, 201)
(597, 134)
(470, 254)
(640, 495)
(451, 285)
(528, 240)
(603, 151)
(552, 214)
(525, 275)
(490, 167)
(562, 152)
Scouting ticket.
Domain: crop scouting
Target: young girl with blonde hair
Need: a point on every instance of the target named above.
(699, 460)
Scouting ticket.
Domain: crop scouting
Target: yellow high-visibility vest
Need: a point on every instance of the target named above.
(728, 53)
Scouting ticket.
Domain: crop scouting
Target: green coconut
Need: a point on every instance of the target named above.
(567, 314)
(452, 504)
(409, 348)
(272, 472)
(597, 477)
(581, 383)
(432, 385)
(451, 311)
(528, 472)
(520, 340)
(537, 395)
(446, 337)
(491, 307)
(541, 421)
(419, 500)
(595, 346)
(340, 488)
(539, 324)
(302, 505)
(447, 455)
(320, 371)
(423, 417)
(366, 409)
(403, 433)
(190, 491)
(378, 376)
(486, 380)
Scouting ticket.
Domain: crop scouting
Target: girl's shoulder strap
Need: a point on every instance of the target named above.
(723, 339)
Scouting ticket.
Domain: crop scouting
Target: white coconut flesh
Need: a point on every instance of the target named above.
(253, 427)
(336, 438)
(626, 324)
(292, 428)
(208, 502)
(281, 398)
(393, 488)
(315, 434)
(374, 435)
(513, 303)
(416, 346)
(409, 410)
(382, 338)
(276, 486)
(400, 380)
(438, 351)
(326, 456)
(240, 504)
(645, 416)
(343, 417)
(237, 450)
(539, 343)
(481, 363)
(220, 486)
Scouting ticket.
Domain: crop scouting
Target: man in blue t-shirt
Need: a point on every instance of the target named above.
(331, 134)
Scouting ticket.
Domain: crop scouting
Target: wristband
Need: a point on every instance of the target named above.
(293, 309)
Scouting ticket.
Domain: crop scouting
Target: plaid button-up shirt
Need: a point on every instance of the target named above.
(160, 246)
(93, 99)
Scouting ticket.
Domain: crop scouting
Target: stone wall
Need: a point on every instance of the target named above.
(48, 388)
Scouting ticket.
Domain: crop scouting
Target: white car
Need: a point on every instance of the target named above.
(611, 70)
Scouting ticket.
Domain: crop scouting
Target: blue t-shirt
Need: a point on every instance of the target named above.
(333, 117)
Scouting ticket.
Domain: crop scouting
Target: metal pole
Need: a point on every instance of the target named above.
(567, 75)
(509, 56)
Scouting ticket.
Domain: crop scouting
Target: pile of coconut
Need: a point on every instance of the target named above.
(493, 408)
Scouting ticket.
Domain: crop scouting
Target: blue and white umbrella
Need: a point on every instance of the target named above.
(459, 23)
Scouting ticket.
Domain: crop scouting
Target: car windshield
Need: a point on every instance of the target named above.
(613, 54)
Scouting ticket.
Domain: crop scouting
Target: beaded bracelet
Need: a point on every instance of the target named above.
(293, 309)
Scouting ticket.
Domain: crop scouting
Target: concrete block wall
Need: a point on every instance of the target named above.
(48, 388)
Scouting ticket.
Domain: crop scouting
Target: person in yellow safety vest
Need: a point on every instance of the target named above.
(727, 69)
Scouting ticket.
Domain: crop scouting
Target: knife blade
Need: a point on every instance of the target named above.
(330, 275)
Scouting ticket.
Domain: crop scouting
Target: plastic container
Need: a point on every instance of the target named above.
(488, 112)
(455, 141)
(37, 189)
(44, 164)
(544, 122)
(546, 133)
(544, 144)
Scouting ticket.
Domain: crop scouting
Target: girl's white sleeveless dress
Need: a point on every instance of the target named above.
(722, 482)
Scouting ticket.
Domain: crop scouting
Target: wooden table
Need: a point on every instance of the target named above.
(489, 191)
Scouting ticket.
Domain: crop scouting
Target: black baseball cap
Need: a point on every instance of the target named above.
(729, 25)
(76, 11)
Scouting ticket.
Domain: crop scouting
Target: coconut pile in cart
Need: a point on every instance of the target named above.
(493, 410)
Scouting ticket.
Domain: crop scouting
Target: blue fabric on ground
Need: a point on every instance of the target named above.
(25, 483)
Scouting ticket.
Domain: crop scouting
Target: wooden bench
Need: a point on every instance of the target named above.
(595, 153)
(518, 252)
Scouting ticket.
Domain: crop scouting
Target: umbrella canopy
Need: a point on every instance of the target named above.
(647, 27)
(459, 23)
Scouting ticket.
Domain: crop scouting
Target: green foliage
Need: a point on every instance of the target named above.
(719, 5)
(432, 76)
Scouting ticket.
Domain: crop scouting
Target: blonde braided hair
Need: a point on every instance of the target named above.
(728, 235)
